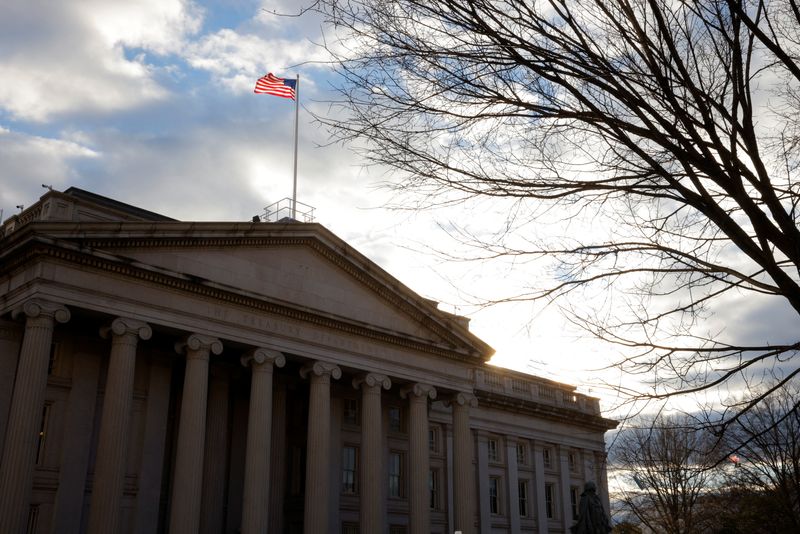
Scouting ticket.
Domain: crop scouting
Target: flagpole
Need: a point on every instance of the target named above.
(296, 124)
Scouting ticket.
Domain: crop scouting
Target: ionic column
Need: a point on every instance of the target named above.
(370, 477)
(255, 506)
(419, 456)
(109, 471)
(188, 477)
(19, 451)
(318, 449)
(463, 470)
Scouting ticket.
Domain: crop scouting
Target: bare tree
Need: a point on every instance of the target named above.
(669, 462)
(767, 439)
(674, 122)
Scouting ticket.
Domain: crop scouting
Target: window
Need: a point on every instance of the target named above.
(349, 528)
(523, 498)
(572, 458)
(52, 363)
(574, 498)
(521, 456)
(395, 419)
(396, 474)
(397, 529)
(494, 452)
(549, 501)
(494, 495)
(433, 440)
(33, 519)
(349, 469)
(546, 457)
(42, 441)
(433, 485)
(351, 414)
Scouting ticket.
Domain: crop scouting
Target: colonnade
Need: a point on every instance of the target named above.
(18, 457)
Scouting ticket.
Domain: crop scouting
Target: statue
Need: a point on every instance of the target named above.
(592, 518)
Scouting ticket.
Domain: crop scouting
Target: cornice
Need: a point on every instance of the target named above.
(544, 411)
(85, 258)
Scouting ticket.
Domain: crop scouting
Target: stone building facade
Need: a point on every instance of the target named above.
(205, 377)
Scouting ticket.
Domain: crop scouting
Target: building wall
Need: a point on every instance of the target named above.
(551, 454)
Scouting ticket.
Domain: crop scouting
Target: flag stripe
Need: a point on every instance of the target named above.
(272, 85)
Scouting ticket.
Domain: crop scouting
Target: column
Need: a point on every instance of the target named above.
(463, 470)
(10, 340)
(109, 471)
(370, 476)
(512, 476)
(483, 482)
(255, 505)
(419, 456)
(25, 415)
(318, 449)
(214, 467)
(188, 477)
(564, 479)
(538, 476)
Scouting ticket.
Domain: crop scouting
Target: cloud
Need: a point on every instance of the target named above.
(72, 57)
(29, 161)
(236, 59)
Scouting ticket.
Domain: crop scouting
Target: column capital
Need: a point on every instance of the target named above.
(463, 398)
(34, 308)
(122, 325)
(197, 342)
(372, 380)
(425, 391)
(259, 356)
(320, 368)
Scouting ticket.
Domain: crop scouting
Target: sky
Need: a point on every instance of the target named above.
(151, 103)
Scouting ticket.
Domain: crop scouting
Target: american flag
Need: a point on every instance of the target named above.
(272, 85)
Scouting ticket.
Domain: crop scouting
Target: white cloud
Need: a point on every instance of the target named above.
(69, 57)
(235, 59)
(29, 161)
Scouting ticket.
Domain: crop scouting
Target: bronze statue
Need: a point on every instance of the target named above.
(592, 518)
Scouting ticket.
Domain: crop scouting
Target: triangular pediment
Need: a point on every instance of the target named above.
(296, 266)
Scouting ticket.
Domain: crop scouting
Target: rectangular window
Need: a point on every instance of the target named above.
(351, 414)
(396, 474)
(33, 519)
(52, 363)
(349, 528)
(433, 440)
(349, 469)
(546, 457)
(42, 441)
(574, 499)
(494, 451)
(494, 495)
(433, 485)
(572, 458)
(395, 419)
(523, 498)
(522, 458)
(549, 501)
(397, 529)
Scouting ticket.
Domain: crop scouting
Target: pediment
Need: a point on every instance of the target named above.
(297, 266)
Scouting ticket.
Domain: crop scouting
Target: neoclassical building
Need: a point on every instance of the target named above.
(159, 376)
